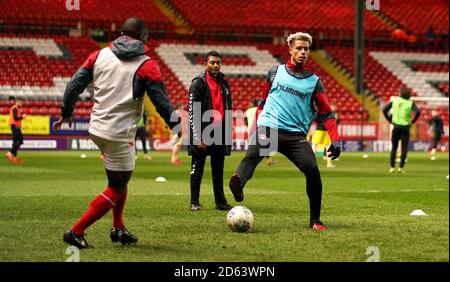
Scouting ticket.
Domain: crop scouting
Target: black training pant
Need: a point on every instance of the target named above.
(17, 139)
(197, 167)
(295, 147)
(141, 133)
(399, 132)
(436, 138)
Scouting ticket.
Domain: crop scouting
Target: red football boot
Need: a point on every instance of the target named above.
(317, 225)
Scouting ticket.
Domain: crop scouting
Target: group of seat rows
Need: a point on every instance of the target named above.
(92, 13)
(236, 15)
(326, 16)
(381, 81)
(329, 17)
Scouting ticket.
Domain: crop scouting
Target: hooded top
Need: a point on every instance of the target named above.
(126, 48)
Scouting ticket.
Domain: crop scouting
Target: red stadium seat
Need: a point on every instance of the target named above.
(102, 13)
(326, 16)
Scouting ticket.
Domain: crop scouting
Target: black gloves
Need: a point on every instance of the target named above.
(334, 150)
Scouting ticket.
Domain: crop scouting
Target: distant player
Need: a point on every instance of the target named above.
(121, 74)
(401, 109)
(321, 136)
(436, 129)
(16, 116)
(289, 95)
(250, 114)
(141, 134)
(178, 142)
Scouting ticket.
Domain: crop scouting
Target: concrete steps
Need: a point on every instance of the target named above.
(181, 24)
(346, 79)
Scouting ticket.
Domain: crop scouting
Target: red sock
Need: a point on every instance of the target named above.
(98, 208)
(117, 211)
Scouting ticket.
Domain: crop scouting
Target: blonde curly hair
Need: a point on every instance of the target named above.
(299, 36)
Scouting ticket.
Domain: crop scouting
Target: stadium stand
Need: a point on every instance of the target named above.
(385, 70)
(38, 66)
(328, 16)
(108, 14)
(418, 16)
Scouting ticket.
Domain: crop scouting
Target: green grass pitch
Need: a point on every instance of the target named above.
(363, 206)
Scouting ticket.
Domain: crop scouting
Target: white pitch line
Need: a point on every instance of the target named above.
(137, 193)
(389, 191)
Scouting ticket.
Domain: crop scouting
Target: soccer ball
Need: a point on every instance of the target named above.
(240, 219)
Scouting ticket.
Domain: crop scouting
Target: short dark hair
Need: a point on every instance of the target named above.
(405, 93)
(134, 27)
(212, 53)
(15, 98)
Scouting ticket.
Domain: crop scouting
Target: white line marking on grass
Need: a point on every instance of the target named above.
(389, 191)
(138, 193)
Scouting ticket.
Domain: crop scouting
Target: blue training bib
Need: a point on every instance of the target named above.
(288, 105)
